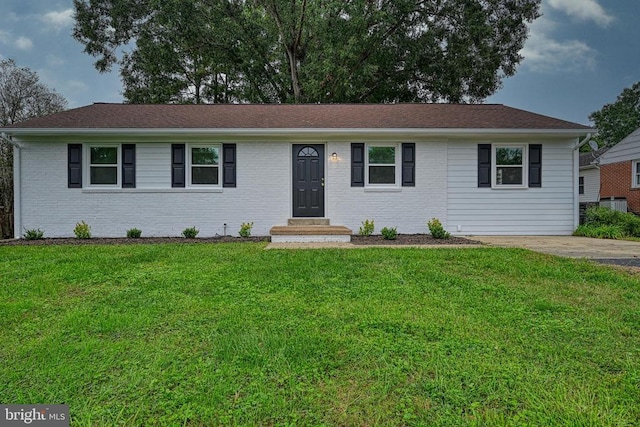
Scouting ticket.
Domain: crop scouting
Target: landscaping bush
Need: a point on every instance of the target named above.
(437, 230)
(600, 231)
(33, 234)
(134, 233)
(190, 232)
(245, 229)
(367, 228)
(389, 233)
(82, 230)
(600, 220)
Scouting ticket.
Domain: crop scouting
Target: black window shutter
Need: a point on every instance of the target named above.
(74, 175)
(484, 165)
(128, 165)
(177, 165)
(357, 164)
(229, 165)
(408, 165)
(535, 165)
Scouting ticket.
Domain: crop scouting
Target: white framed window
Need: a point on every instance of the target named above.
(103, 165)
(509, 168)
(635, 178)
(382, 168)
(204, 165)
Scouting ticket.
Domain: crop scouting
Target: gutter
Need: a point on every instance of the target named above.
(576, 177)
(17, 194)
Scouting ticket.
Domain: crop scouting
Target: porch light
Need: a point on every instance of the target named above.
(334, 156)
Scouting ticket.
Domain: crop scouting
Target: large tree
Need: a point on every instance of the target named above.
(617, 120)
(306, 50)
(22, 97)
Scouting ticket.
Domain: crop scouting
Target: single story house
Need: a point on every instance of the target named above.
(589, 177)
(620, 172)
(480, 169)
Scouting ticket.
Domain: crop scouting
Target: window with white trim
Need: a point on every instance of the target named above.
(509, 166)
(204, 165)
(104, 165)
(635, 179)
(382, 164)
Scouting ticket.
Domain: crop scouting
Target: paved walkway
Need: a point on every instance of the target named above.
(570, 246)
(620, 252)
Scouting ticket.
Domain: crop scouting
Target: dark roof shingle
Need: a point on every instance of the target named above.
(297, 116)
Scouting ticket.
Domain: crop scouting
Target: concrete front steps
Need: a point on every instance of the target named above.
(310, 230)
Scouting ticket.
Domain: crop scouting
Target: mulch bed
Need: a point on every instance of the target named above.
(411, 239)
(402, 239)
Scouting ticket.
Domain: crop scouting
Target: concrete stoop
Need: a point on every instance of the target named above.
(310, 230)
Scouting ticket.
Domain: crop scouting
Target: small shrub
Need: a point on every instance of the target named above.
(628, 223)
(367, 228)
(134, 233)
(600, 231)
(190, 232)
(82, 230)
(389, 233)
(33, 234)
(437, 230)
(245, 229)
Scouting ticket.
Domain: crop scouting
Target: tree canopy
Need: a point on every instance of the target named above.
(22, 97)
(196, 51)
(617, 120)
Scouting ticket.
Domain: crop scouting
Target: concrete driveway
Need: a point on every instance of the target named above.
(619, 252)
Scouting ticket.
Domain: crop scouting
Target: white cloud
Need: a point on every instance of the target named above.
(58, 20)
(583, 10)
(23, 43)
(543, 54)
(55, 61)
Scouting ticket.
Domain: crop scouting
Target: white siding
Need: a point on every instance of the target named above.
(546, 210)
(591, 185)
(627, 149)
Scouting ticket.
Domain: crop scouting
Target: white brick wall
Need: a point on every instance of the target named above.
(408, 208)
(260, 197)
(446, 188)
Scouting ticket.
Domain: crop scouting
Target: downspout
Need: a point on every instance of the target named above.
(17, 205)
(576, 177)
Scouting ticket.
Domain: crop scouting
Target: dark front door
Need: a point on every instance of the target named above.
(308, 180)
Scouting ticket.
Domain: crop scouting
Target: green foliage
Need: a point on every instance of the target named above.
(134, 233)
(190, 232)
(82, 230)
(367, 228)
(627, 223)
(33, 234)
(616, 121)
(231, 334)
(389, 233)
(437, 230)
(245, 229)
(296, 51)
(600, 231)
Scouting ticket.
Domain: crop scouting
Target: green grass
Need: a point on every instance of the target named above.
(198, 334)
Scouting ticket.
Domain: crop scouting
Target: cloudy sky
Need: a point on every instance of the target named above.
(580, 55)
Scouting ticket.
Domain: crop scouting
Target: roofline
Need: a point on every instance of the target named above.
(275, 132)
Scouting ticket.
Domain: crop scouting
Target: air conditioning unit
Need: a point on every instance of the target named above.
(615, 204)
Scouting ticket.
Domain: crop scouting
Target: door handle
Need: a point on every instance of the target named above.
(322, 184)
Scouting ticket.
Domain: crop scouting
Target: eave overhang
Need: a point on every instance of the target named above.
(288, 133)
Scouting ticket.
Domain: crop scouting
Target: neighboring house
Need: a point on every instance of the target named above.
(589, 178)
(620, 172)
(480, 169)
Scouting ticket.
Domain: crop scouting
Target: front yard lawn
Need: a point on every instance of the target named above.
(182, 334)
